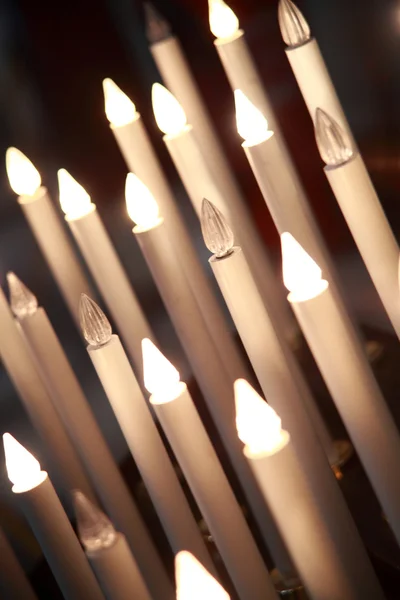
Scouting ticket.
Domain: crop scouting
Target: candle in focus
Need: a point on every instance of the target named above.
(194, 582)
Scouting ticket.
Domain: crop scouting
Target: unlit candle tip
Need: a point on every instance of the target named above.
(23, 302)
(334, 144)
(95, 326)
(217, 234)
(294, 28)
(95, 530)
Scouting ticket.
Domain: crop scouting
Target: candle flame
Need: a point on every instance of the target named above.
(23, 176)
(74, 199)
(301, 274)
(194, 582)
(161, 378)
(223, 21)
(217, 234)
(294, 28)
(251, 124)
(95, 529)
(120, 110)
(23, 469)
(23, 302)
(169, 114)
(334, 145)
(141, 205)
(95, 326)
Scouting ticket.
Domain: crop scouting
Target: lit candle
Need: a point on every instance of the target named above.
(196, 456)
(359, 203)
(14, 584)
(49, 523)
(280, 475)
(108, 553)
(133, 415)
(194, 582)
(47, 228)
(97, 249)
(348, 376)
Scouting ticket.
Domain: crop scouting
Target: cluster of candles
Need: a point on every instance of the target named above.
(285, 473)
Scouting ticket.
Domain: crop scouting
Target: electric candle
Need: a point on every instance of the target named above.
(359, 203)
(194, 451)
(14, 584)
(47, 228)
(348, 375)
(194, 582)
(108, 553)
(133, 415)
(97, 249)
(49, 523)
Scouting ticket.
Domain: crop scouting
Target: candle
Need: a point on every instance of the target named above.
(61, 454)
(14, 584)
(47, 228)
(134, 143)
(208, 369)
(133, 415)
(274, 462)
(104, 264)
(194, 451)
(265, 344)
(347, 374)
(108, 553)
(359, 203)
(49, 523)
(74, 410)
(194, 582)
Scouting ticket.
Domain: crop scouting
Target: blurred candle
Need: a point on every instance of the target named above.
(46, 226)
(194, 582)
(14, 584)
(49, 523)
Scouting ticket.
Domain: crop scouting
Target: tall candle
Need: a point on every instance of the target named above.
(194, 451)
(104, 264)
(14, 584)
(347, 373)
(47, 228)
(194, 582)
(46, 517)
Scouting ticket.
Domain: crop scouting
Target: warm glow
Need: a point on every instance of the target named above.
(194, 582)
(74, 199)
(23, 176)
(140, 203)
(301, 274)
(23, 469)
(160, 376)
(223, 21)
(169, 114)
(251, 124)
(258, 425)
(120, 109)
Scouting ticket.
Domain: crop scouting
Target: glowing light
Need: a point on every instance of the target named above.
(294, 28)
(95, 326)
(223, 21)
(23, 469)
(74, 199)
(140, 203)
(301, 274)
(194, 582)
(160, 377)
(120, 109)
(251, 124)
(95, 530)
(218, 236)
(23, 176)
(169, 114)
(23, 302)
(334, 145)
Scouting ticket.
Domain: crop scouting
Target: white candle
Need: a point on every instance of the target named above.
(194, 582)
(359, 203)
(134, 143)
(133, 415)
(47, 228)
(108, 553)
(194, 451)
(50, 524)
(104, 264)
(274, 462)
(14, 584)
(347, 373)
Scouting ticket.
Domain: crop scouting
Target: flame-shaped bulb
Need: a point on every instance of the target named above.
(224, 24)
(23, 469)
(95, 530)
(141, 205)
(294, 28)
(157, 27)
(301, 274)
(161, 378)
(120, 110)
(169, 114)
(23, 176)
(194, 582)
(251, 124)
(95, 326)
(334, 144)
(74, 199)
(217, 234)
(23, 302)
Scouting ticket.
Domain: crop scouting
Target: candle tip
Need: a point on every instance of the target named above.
(334, 144)
(217, 234)
(160, 377)
(169, 114)
(23, 302)
(157, 27)
(194, 582)
(23, 176)
(294, 28)
(251, 124)
(223, 21)
(301, 274)
(95, 530)
(95, 326)
(119, 108)
(141, 205)
(23, 469)
(74, 199)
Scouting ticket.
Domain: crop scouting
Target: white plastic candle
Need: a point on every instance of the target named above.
(47, 228)
(194, 582)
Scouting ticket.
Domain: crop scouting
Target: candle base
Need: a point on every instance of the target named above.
(344, 451)
(288, 590)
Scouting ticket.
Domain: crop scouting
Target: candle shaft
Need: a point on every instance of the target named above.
(14, 584)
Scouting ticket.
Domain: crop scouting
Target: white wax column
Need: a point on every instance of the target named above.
(14, 584)
(19, 364)
(117, 572)
(371, 231)
(350, 380)
(56, 247)
(111, 279)
(213, 494)
(272, 360)
(147, 448)
(142, 160)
